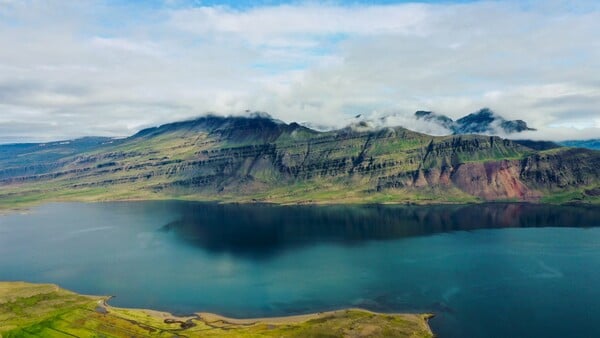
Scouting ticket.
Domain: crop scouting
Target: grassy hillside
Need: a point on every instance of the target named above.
(259, 159)
(45, 310)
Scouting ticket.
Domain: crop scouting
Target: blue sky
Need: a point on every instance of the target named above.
(95, 67)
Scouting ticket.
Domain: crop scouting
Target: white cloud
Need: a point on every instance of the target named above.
(263, 24)
(85, 67)
(150, 48)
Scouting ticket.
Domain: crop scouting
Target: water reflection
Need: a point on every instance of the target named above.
(260, 231)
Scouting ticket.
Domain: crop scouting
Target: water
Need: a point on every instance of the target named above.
(496, 270)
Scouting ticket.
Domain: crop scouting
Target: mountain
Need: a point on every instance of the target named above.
(47, 153)
(441, 120)
(484, 121)
(259, 159)
(589, 144)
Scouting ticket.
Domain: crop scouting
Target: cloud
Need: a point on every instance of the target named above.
(74, 68)
(261, 25)
(378, 120)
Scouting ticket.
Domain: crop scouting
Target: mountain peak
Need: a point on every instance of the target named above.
(430, 116)
(483, 121)
(483, 115)
(252, 126)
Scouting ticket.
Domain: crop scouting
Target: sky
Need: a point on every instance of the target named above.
(78, 68)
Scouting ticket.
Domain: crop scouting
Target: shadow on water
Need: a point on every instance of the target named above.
(262, 231)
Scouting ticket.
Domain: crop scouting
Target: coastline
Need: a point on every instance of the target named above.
(25, 207)
(48, 310)
(212, 317)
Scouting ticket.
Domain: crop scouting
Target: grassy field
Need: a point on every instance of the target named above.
(45, 310)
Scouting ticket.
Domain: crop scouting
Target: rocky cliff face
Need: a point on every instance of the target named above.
(258, 158)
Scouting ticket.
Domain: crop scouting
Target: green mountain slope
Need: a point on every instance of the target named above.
(260, 159)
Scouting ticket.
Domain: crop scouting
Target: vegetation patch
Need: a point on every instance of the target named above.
(45, 310)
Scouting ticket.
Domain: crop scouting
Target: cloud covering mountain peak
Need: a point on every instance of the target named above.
(484, 122)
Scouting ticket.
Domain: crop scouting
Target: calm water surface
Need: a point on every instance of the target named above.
(499, 270)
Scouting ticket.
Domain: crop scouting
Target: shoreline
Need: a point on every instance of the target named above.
(210, 317)
(302, 317)
(285, 319)
(25, 208)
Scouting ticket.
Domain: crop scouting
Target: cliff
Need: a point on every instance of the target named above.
(260, 159)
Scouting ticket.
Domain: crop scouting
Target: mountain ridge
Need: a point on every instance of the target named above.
(484, 121)
(259, 159)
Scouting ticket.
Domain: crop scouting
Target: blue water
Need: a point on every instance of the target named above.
(496, 270)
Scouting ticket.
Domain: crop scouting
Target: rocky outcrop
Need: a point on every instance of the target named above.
(560, 170)
(493, 181)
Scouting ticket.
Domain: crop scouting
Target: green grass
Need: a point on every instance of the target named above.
(570, 196)
(44, 310)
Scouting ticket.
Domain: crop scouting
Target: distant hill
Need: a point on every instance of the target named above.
(484, 121)
(259, 159)
(538, 145)
(589, 144)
